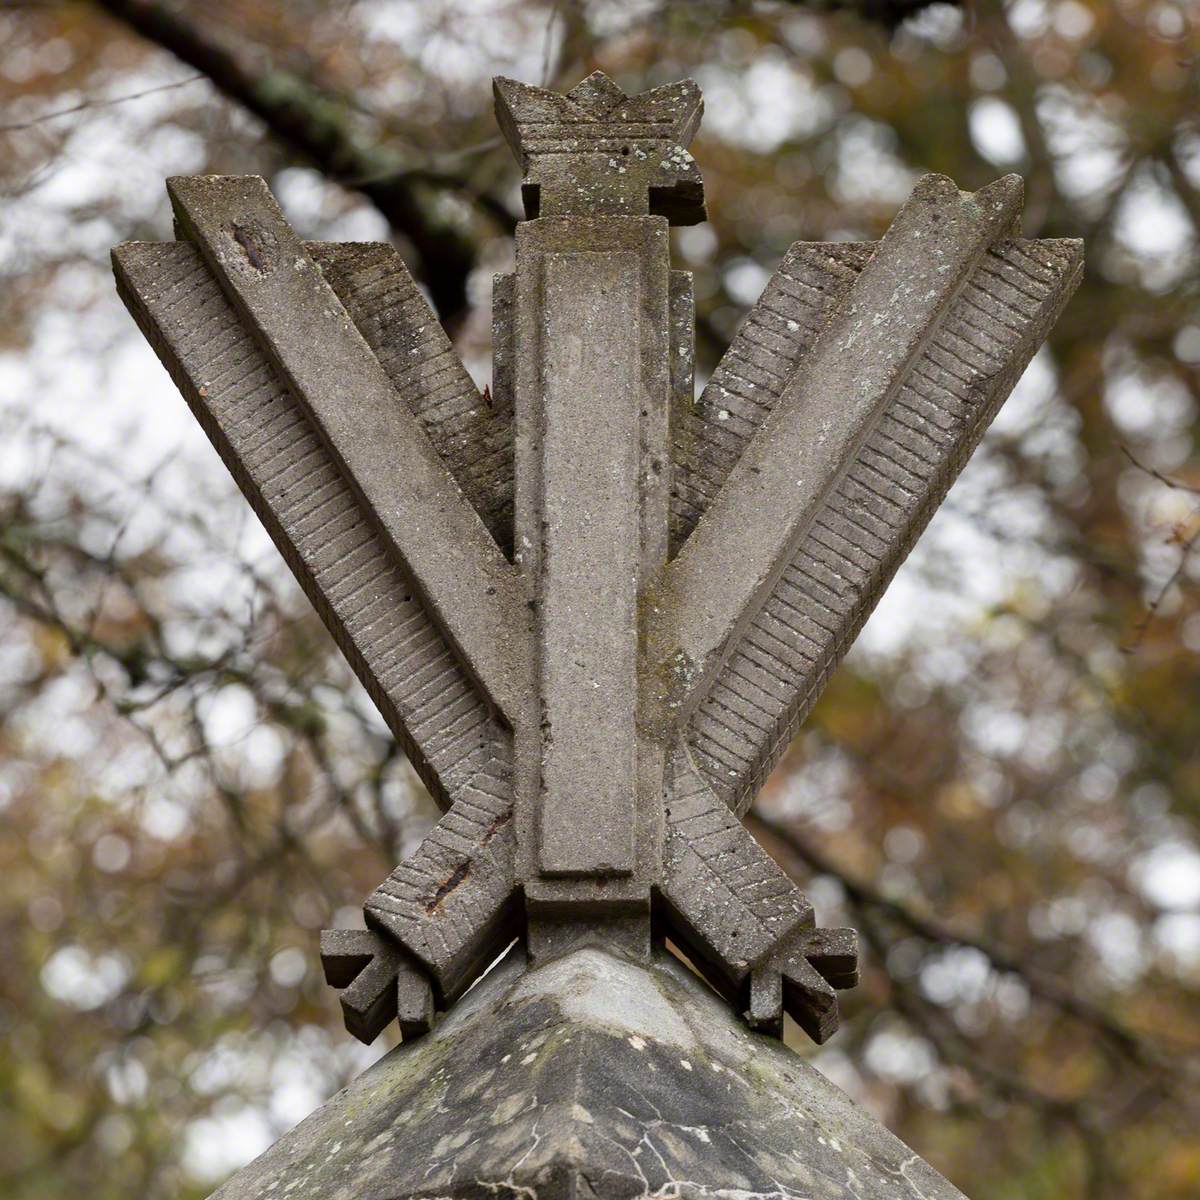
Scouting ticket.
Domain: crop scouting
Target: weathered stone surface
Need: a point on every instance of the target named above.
(590, 508)
(354, 578)
(590, 1077)
(596, 150)
(269, 277)
(544, 695)
(868, 521)
(471, 432)
(801, 978)
(731, 903)
(593, 395)
(452, 904)
(722, 574)
(742, 920)
(709, 433)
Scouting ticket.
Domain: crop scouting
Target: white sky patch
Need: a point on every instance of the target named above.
(1169, 876)
(816, 795)
(958, 975)
(1187, 150)
(996, 731)
(217, 1145)
(164, 817)
(1073, 20)
(899, 1056)
(608, 18)
(1179, 935)
(126, 1078)
(1152, 224)
(463, 43)
(744, 280)
(939, 23)
(852, 65)
(82, 980)
(307, 197)
(1029, 18)
(1117, 940)
(996, 131)
(869, 169)
(228, 714)
(1145, 405)
(1088, 148)
(771, 101)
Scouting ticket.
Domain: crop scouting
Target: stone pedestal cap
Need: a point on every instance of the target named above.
(590, 1077)
(598, 151)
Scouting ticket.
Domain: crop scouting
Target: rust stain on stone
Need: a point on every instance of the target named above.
(255, 253)
(448, 885)
(498, 824)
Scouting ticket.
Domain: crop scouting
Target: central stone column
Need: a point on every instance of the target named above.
(591, 407)
(591, 338)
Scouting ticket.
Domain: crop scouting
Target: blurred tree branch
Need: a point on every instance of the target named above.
(317, 125)
(889, 13)
(865, 895)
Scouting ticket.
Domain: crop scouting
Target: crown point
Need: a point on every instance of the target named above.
(597, 93)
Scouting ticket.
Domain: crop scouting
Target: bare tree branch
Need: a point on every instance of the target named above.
(890, 13)
(316, 125)
(88, 105)
(1046, 987)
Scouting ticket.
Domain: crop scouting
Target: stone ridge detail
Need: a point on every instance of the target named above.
(868, 523)
(593, 608)
(363, 593)
(398, 476)
(806, 289)
(472, 433)
(597, 151)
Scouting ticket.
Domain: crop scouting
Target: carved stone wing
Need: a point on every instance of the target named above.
(967, 303)
(329, 389)
(301, 481)
(841, 414)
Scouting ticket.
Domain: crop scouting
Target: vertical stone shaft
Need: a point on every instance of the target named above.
(592, 395)
(588, 563)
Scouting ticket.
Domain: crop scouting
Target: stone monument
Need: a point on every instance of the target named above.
(593, 609)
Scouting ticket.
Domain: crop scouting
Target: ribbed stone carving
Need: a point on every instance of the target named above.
(594, 608)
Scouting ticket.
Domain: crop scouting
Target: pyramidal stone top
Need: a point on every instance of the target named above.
(591, 1076)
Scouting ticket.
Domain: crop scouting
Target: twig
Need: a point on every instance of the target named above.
(932, 930)
(90, 104)
(1186, 546)
(1166, 480)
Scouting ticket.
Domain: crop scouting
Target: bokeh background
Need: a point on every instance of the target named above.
(1001, 787)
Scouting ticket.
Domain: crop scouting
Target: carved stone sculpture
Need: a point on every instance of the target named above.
(593, 608)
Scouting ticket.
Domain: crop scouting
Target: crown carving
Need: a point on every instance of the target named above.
(596, 150)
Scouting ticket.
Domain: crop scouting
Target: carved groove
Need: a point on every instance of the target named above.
(452, 902)
(362, 595)
(770, 682)
(473, 436)
(728, 899)
(709, 437)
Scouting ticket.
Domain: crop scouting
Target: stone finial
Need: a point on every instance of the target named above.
(592, 606)
(597, 151)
